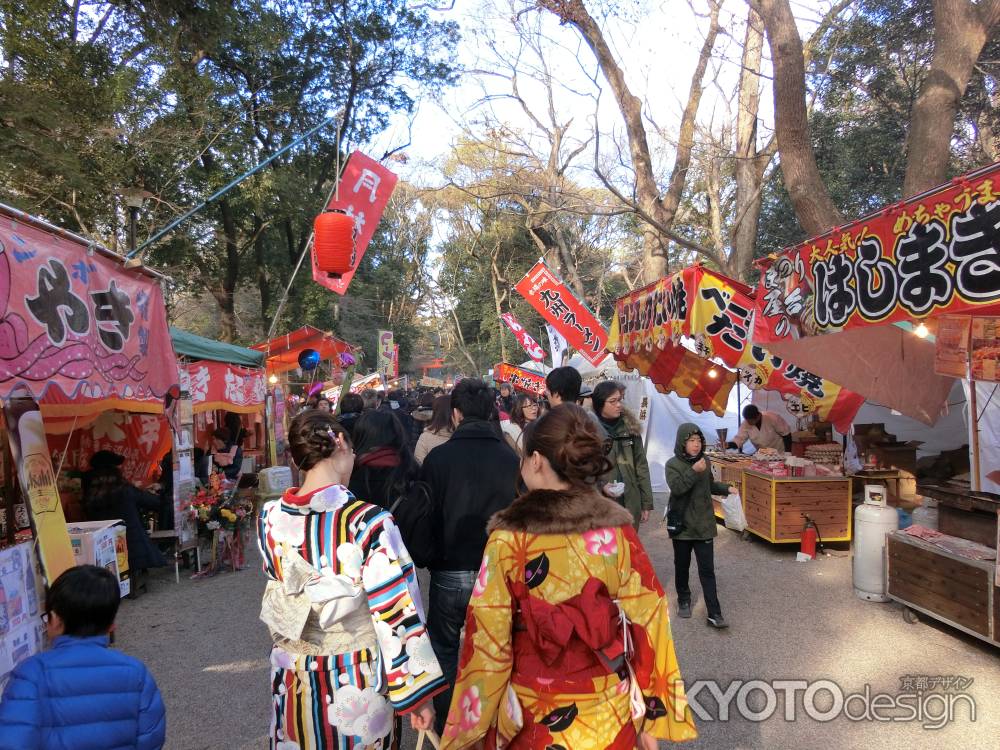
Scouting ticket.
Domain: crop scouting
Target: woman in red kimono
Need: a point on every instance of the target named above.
(567, 638)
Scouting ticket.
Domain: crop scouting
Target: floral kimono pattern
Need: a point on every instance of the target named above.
(341, 580)
(567, 641)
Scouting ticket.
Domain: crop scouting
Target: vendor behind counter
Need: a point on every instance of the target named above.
(763, 430)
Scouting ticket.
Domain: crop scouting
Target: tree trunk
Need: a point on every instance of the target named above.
(961, 28)
(263, 287)
(814, 208)
(750, 165)
(647, 191)
(226, 291)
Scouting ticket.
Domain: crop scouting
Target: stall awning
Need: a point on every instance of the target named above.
(193, 346)
(218, 385)
(282, 352)
(80, 332)
(829, 303)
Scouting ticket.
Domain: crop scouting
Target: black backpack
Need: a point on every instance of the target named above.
(413, 513)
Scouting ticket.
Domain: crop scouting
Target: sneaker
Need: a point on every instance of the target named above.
(718, 622)
(684, 609)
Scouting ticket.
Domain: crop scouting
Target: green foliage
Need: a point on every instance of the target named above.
(868, 73)
(180, 98)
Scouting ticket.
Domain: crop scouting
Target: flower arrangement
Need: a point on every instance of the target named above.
(218, 506)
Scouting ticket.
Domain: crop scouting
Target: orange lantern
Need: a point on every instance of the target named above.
(334, 242)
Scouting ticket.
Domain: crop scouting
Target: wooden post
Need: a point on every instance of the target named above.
(974, 434)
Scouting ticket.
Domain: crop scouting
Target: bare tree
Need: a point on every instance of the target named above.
(657, 210)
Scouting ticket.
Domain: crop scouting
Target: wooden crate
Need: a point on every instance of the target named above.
(956, 590)
(776, 507)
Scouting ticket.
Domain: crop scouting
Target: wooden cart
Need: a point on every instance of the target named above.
(956, 590)
(776, 507)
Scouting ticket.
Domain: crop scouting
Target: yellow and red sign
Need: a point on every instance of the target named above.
(717, 314)
(932, 255)
(559, 306)
(520, 379)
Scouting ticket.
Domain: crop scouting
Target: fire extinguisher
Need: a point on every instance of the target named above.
(810, 536)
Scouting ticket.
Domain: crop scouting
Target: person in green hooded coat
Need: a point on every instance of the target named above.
(691, 520)
(628, 454)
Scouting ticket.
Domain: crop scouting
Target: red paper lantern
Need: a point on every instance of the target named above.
(333, 242)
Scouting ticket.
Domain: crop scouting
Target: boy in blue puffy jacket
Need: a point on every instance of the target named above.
(81, 694)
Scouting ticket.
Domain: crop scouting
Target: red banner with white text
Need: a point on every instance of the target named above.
(217, 385)
(365, 189)
(559, 306)
(530, 346)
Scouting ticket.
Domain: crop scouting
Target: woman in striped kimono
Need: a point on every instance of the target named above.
(350, 649)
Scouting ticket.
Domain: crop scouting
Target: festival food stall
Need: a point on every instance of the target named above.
(713, 314)
(223, 386)
(908, 297)
(82, 336)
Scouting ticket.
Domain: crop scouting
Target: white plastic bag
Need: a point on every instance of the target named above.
(732, 513)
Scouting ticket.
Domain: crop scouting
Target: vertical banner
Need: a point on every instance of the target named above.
(386, 347)
(395, 360)
(184, 463)
(557, 345)
(527, 343)
(951, 355)
(559, 306)
(365, 188)
(30, 451)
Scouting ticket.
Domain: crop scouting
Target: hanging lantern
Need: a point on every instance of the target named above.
(334, 242)
(308, 359)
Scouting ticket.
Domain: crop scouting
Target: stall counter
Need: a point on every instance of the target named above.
(776, 507)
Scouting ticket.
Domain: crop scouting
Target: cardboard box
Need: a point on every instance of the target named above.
(99, 543)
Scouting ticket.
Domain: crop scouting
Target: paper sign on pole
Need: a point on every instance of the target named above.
(365, 188)
(386, 347)
(560, 307)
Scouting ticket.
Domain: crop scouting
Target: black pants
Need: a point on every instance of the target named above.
(449, 599)
(704, 552)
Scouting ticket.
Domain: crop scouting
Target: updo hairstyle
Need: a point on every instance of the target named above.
(568, 438)
(311, 437)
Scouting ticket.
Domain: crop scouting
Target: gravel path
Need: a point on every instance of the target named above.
(791, 621)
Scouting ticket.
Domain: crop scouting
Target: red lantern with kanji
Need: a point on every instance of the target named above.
(334, 242)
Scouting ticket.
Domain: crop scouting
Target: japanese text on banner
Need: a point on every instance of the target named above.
(939, 254)
(530, 346)
(558, 305)
(520, 379)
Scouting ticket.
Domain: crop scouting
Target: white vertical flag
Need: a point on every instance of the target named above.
(557, 345)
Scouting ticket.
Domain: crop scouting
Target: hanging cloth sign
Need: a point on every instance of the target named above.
(932, 255)
(559, 306)
(520, 379)
(533, 349)
(218, 385)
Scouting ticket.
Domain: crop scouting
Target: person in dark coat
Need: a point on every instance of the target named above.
(689, 477)
(398, 405)
(109, 497)
(384, 465)
(81, 694)
(351, 407)
(471, 477)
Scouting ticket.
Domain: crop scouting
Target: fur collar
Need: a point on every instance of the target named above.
(560, 512)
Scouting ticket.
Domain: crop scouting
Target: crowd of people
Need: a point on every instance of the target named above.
(545, 625)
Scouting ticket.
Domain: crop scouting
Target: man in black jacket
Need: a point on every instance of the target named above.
(471, 477)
